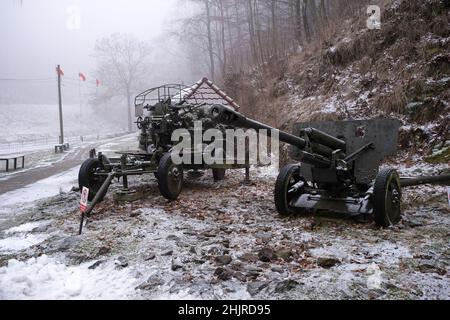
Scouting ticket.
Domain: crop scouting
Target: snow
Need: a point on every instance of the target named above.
(42, 189)
(47, 279)
(21, 242)
(27, 227)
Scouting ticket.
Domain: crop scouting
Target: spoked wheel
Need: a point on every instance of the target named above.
(387, 198)
(170, 178)
(288, 177)
(219, 174)
(87, 177)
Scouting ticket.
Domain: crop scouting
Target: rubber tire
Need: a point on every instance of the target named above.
(164, 168)
(85, 178)
(382, 215)
(281, 189)
(219, 174)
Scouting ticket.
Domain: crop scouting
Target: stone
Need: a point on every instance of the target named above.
(173, 238)
(167, 253)
(176, 265)
(152, 283)
(222, 274)
(240, 276)
(328, 262)
(68, 243)
(285, 286)
(223, 260)
(264, 236)
(267, 255)
(284, 254)
(96, 264)
(149, 256)
(122, 262)
(254, 288)
(192, 250)
(249, 257)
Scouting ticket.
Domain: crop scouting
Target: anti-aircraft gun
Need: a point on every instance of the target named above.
(159, 111)
(339, 168)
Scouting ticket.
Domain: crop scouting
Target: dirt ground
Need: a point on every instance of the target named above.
(226, 241)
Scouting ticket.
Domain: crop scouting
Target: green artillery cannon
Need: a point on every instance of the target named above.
(339, 168)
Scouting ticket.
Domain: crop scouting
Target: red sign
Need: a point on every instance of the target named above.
(84, 200)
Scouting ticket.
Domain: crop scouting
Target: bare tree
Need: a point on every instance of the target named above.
(122, 65)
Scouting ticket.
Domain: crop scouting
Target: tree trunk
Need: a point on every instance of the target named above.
(251, 27)
(130, 117)
(274, 28)
(305, 20)
(210, 41)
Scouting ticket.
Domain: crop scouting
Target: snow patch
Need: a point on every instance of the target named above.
(21, 242)
(47, 279)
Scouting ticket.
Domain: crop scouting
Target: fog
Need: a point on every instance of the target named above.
(36, 35)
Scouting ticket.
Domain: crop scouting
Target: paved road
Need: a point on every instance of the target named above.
(23, 179)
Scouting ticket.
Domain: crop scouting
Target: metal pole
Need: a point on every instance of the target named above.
(61, 122)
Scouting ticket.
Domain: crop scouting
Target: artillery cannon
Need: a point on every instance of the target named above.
(339, 168)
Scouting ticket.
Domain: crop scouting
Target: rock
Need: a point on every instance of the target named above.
(149, 256)
(75, 189)
(214, 251)
(223, 260)
(223, 274)
(68, 243)
(286, 286)
(96, 265)
(256, 287)
(152, 283)
(176, 265)
(172, 238)
(121, 262)
(284, 254)
(277, 269)
(267, 255)
(226, 243)
(167, 253)
(41, 229)
(249, 257)
(135, 214)
(240, 276)
(327, 262)
(431, 268)
(192, 250)
(264, 236)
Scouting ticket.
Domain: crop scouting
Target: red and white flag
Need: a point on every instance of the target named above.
(82, 77)
(98, 83)
(59, 71)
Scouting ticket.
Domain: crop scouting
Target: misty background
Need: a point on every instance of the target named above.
(36, 36)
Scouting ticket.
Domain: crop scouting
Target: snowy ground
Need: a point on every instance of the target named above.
(205, 246)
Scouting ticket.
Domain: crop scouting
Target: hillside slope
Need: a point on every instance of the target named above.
(401, 71)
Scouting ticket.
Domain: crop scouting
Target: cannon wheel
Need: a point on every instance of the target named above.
(288, 177)
(219, 174)
(86, 177)
(170, 178)
(387, 198)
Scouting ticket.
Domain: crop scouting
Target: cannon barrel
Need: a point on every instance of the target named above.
(325, 139)
(228, 116)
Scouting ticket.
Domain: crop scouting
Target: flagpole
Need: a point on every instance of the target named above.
(61, 123)
(81, 106)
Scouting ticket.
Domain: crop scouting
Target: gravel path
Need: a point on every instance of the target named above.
(225, 241)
